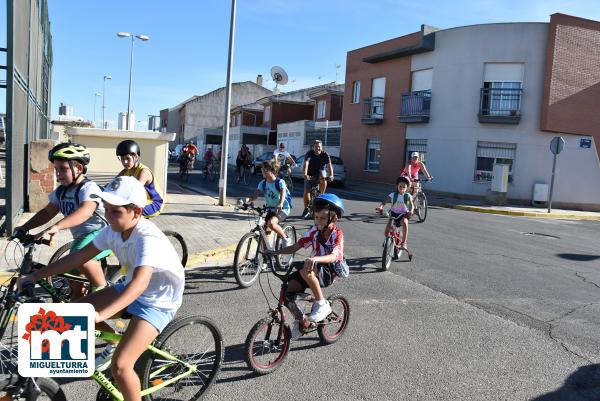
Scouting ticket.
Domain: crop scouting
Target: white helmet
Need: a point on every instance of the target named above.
(414, 154)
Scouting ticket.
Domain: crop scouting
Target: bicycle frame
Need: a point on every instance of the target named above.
(107, 384)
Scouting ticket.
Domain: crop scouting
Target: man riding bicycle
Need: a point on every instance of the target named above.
(284, 160)
(412, 172)
(316, 161)
(187, 157)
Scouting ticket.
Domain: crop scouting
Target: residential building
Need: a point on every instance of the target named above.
(474, 97)
(196, 118)
(246, 127)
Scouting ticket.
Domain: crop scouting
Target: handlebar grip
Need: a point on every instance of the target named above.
(47, 242)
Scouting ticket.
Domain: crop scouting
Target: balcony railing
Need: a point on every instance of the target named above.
(372, 110)
(500, 105)
(415, 107)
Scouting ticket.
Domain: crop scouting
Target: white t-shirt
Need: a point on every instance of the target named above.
(148, 246)
(68, 204)
(282, 157)
(399, 207)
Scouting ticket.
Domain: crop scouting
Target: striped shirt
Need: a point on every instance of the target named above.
(333, 245)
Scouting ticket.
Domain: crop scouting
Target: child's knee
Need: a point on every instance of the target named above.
(119, 366)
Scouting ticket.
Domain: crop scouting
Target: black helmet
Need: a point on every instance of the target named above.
(128, 147)
(70, 151)
(403, 179)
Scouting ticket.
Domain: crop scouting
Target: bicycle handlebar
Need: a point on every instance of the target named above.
(250, 206)
(28, 239)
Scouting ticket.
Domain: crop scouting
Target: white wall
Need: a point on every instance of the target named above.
(293, 135)
(453, 130)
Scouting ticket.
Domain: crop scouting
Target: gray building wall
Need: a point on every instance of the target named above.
(453, 131)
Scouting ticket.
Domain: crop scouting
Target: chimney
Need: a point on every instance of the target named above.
(259, 80)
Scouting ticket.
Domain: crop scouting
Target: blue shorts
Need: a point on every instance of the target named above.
(156, 317)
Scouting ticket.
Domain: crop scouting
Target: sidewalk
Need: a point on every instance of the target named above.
(478, 205)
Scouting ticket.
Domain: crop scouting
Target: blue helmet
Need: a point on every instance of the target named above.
(334, 202)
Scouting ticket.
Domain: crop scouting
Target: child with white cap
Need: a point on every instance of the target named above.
(152, 291)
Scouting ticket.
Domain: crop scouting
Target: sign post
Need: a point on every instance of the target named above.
(556, 146)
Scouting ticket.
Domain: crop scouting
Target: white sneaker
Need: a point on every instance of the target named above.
(320, 310)
(105, 358)
(296, 333)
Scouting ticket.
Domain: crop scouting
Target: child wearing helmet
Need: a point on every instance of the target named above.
(83, 215)
(129, 153)
(325, 263)
(402, 208)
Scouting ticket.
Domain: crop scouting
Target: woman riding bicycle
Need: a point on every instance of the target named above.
(412, 171)
(243, 159)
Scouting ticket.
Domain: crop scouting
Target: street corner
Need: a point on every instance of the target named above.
(525, 212)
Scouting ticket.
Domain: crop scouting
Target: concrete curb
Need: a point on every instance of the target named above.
(503, 212)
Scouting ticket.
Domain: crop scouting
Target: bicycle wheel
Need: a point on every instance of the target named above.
(48, 390)
(331, 329)
(247, 261)
(388, 253)
(283, 263)
(421, 207)
(9, 349)
(179, 244)
(267, 345)
(194, 340)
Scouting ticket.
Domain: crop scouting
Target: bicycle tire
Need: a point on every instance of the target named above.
(206, 356)
(275, 344)
(181, 248)
(388, 252)
(340, 314)
(50, 389)
(247, 258)
(422, 207)
(9, 374)
(284, 267)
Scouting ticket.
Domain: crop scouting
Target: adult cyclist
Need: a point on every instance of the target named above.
(316, 161)
(284, 159)
(412, 171)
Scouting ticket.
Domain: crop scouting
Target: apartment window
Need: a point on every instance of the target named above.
(491, 153)
(356, 92)
(321, 105)
(373, 155)
(416, 145)
(502, 88)
(267, 113)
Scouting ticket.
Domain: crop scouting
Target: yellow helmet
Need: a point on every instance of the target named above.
(70, 151)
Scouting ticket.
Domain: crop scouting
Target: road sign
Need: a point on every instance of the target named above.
(585, 143)
(557, 144)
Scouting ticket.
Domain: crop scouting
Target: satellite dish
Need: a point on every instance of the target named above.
(279, 76)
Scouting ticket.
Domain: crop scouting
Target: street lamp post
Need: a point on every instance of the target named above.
(95, 97)
(143, 38)
(104, 97)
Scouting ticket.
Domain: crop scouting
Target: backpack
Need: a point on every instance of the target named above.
(62, 190)
(288, 196)
(406, 199)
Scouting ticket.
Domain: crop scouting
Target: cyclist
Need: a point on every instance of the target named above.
(82, 214)
(277, 198)
(244, 158)
(283, 157)
(402, 209)
(412, 171)
(208, 159)
(153, 288)
(128, 152)
(319, 270)
(187, 157)
(316, 161)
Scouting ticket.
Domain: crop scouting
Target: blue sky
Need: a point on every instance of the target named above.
(187, 51)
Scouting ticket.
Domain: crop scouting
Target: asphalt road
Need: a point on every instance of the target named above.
(490, 308)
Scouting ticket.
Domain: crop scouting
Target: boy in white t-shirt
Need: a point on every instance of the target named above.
(402, 209)
(153, 288)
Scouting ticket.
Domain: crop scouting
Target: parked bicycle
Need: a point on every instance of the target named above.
(248, 261)
(419, 199)
(113, 271)
(268, 342)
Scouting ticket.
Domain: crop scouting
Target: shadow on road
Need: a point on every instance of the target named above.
(584, 383)
(578, 257)
(209, 275)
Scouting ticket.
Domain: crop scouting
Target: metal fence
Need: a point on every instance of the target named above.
(29, 68)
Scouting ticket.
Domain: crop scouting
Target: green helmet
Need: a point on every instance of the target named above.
(70, 151)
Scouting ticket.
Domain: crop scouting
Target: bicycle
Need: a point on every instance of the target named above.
(420, 200)
(314, 193)
(391, 245)
(112, 268)
(244, 172)
(268, 342)
(285, 174)
(13, 386)
(161, 367)
(248, 261)
(186, 163)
